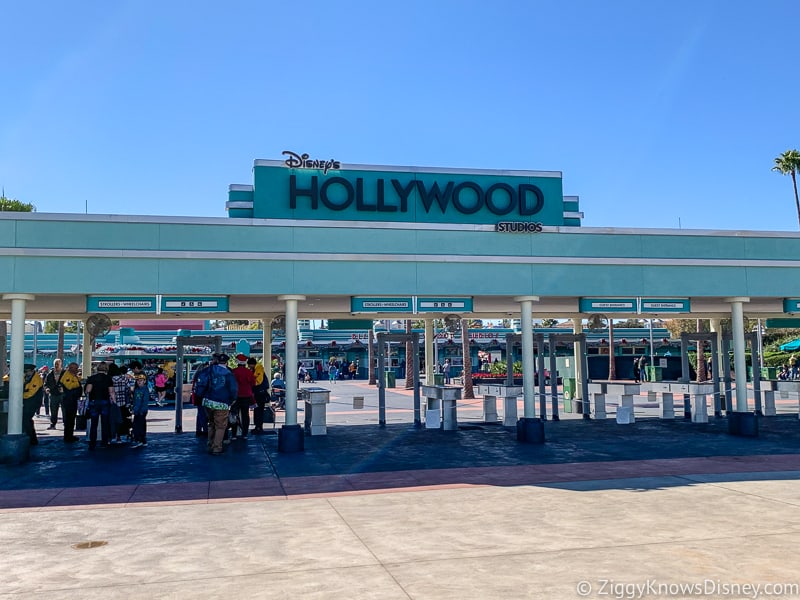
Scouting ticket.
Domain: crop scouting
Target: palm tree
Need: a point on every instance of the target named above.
(469, 391)
(788, 163)
(412, 362)
(60, 350)
(598, 321)
(701, 359)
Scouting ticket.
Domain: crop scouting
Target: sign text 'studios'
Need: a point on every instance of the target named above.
(518, 227)
(466, 197)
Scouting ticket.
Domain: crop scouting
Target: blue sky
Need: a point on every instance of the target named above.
(657, 112)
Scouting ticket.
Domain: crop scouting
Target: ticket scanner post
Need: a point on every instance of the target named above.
(214, 342)
(382, 339)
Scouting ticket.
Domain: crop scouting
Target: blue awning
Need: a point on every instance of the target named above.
(790, 346)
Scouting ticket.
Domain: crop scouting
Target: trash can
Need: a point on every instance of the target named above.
(654, 373)
(390, 379)
(438, 379)
(769, 372)
(316, 400)
(570, 385)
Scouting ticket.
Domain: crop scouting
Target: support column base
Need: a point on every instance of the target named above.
(530, 430)
(291, 438)
(744, 424)
(14, 449)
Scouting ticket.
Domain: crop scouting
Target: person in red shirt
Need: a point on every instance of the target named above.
(246, 382)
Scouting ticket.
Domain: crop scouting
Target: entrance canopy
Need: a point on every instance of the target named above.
(365, 241)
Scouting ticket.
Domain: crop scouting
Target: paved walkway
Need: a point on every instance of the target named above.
(398, 512)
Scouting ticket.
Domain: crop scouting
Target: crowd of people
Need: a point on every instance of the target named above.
(789, 371)
(225, 396)
(112, 404)
(114, 400)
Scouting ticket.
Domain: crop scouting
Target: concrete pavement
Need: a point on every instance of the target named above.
(402, 513)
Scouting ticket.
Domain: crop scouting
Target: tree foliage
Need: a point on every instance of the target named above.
(630, 323)
(13, 205)
(678, 326)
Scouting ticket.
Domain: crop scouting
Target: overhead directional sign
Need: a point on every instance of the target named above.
(608, 305)
(409, 304)
(791, 305)
(635, 305)
(121, 304)
(184, 304)
(381, 305)
(444, 304)
(665, 305)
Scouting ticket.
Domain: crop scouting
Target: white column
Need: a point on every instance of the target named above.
(430, 345)
(526, 314)
(87, 351)
(16, 375)
(291, 356)
(739, 366)
(577, 329)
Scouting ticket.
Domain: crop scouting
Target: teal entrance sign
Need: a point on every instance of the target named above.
(181, 304)
(121, 304)
(666, 305)
(444, 304)
(608, 305)
(409, 304)
(635, 305)
(320, 187)
(791, 305)
(381, 305)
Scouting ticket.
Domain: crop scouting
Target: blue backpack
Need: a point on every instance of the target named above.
(207, 382)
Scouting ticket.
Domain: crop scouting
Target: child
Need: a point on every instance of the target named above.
(141, 399)
(161, 386)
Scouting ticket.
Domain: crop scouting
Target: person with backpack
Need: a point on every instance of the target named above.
(217, 386)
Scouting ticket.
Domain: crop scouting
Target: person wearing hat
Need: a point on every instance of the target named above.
(218, 388)
(32, 396)
(245, 381)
